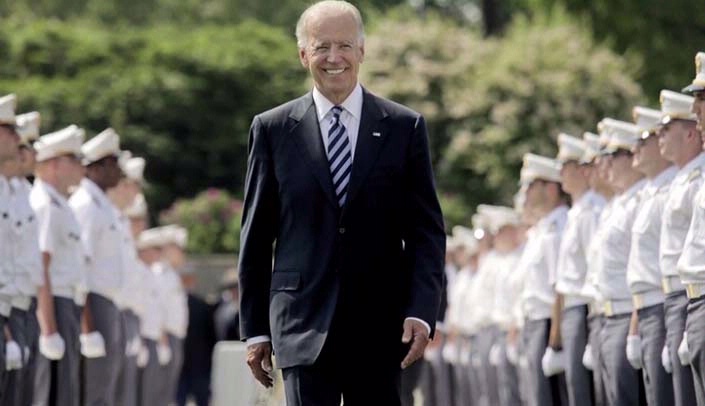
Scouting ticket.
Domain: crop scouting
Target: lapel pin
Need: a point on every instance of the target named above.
(376, 134)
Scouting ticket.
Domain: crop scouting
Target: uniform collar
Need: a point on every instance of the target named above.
(664, 177)
(353, 104)
(98, 195)
(684, 172)
(554, 215)
(51, 191)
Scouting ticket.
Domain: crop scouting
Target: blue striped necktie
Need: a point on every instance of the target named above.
(339, 156)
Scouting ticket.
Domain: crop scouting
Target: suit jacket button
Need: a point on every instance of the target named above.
(341, 230)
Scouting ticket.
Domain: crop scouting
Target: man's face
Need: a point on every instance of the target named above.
(9, 142)
(699, 110)
(671, 139)
(27, 160)
(646, 152)
(572, 177)
(123, 193)
(619, 165)
(69, 170)
(333, 54)
(535, 194)
(108, 172)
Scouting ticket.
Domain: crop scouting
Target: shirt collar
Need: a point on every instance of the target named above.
(51, 191)
(353, 104)
(664, 177)
(554, 215)
(687, 168)
(95, 192)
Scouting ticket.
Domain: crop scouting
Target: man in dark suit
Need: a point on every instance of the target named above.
(340, 191)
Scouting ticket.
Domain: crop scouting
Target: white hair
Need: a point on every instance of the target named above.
(337, 5)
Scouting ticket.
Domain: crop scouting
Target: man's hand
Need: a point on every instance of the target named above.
(416, 334)
(259, 359)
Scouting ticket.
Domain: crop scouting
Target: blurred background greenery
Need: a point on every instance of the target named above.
(181, 79)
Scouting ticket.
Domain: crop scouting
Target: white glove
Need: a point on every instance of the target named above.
(634, 351)
(431, 354)
(92, 345)
(666, 359)
(132, 347)
(496, 355)
(450, 353)
(13, 356)
(465, 354)
(553, 362)
(52, 346)
(163, 354)
(143, 356)
(684, 351)
(512, 354)
(588, 361)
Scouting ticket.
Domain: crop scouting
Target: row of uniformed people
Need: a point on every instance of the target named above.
(91, 306)
(602, 302)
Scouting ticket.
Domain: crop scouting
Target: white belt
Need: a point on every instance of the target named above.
(646, 299)
(695, 290)
(672, 284)
(617, 307)
(22, 302)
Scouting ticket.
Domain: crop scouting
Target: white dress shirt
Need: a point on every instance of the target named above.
(484, 290)
(594, 256)
(350, 117)
(541, 259)
(615, 244)
(507, 289)
(643, 271)
(691, 265)
(677, 214)
(173, 299)
(6, 254)
(152, 319)
(60, 237)
(132, 287)
(102, 239)
(582, 222)
(454, 312)
(28, 275)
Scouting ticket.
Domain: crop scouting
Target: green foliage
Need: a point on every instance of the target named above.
(488, 102)
(212, 219)
(183, 100)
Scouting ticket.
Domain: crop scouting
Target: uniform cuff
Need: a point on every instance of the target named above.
(257, 340)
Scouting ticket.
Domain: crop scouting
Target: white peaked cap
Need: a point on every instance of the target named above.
(134, 169)
(152, 238)
(592, 146)
(499, 216)
(138, 208)
(570, 148)
(28, 127)
(176, 234)
(646, 119)
(105, 144)
(8, 104)
(698, 84)
(63, 142)
(540, 167)
(676, 106)
(623, 135)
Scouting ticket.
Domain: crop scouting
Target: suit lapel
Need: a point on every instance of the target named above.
(307, 136)
(370, 139)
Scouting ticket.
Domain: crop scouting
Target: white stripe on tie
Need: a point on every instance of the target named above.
(339, 156)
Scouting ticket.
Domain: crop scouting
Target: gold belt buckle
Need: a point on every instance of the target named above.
(638, 301)
(608, 308)
(692, 290)
(666, 286)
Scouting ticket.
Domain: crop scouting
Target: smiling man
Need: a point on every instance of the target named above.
(340, 192)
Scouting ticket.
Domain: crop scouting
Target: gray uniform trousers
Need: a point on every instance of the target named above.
(540, 390)
(153, 381)
(473, 371)
(574, 332)
(126, 394)
(488, 389)
(442, 382)
(675, 316)
(657, 382)
(32, 337)
(622, 381)
(596, 322)
(3, 373)
(696, 344)
(101, 374)
(15, 382)
(174, 366)
(507, 378)
(58, 383)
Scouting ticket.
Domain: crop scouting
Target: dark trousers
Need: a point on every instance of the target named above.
(622, 381)
(696, 344)
(657, 382)
(101, 374)
(540, 389)
(574, 331)
(596, 322)
(675, 308)
(152, 380)
(126, 394)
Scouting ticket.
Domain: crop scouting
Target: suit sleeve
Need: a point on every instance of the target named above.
(424, 235)
(259, 225)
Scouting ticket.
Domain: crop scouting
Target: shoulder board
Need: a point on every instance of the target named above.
(694, 174)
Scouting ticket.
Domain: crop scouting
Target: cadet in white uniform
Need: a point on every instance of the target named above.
(680, 143)
(542, 177)
(129, 300)
(9, 162)
(28, 267)
(614, 245)
(571, 317)
(646, 343)
(691, 265)
(102, 239)
(58, 169)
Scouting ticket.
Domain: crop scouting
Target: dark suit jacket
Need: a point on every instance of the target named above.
(373, 263)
